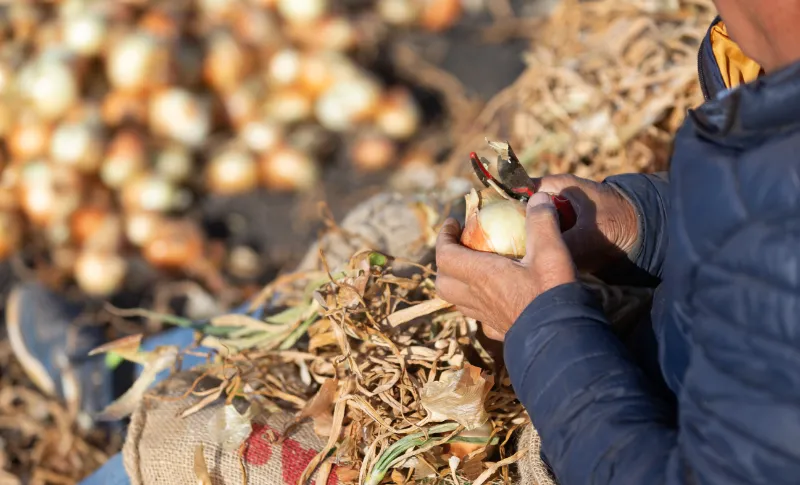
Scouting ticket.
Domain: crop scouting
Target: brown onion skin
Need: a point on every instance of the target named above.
(473, 236)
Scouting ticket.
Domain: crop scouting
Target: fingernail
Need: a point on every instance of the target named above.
(539, 198)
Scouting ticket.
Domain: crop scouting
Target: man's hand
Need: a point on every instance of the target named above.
(606, 228)
(493, 289)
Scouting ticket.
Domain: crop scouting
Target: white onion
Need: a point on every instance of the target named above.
(77, 145)
(179, 115)
(232, 171)
(50, 84)
(175, 163)
(288, 105)
(100, 273)
(140, 227)
(134, 62)
(302, 11)
(262, 136)
(288, 169)
(494, 224)
(284, 67)
(85, 33)
(149, 193)
(225, 62)
(29, 138)
(125, 158)
(347, 103)
(398, 115)
(372, 152)
(399, 12)
(242, 103)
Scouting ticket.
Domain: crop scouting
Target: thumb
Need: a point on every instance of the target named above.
(541, 224)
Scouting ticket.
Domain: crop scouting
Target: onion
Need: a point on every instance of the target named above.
(77, 145)
(29, 138)
(289, 105)
(85, 33)
(149, 192)
(181, 116)
(175, 163)
(461, 449)
(288, 169)
(332, 33)
(399, 12)
(160, 24)
(372, 152)
(494, 224)
(242, 103)
(125, 158)
(233, 171)
(100, 273)
(225, 63)
(284, 67)
(136, 62)
(141, 227)
(398, 115)
(49, 193)
(347, 103)
(243, 262)
(302, 11)
(88, 221)
(175, 244)
(439, 15)
(262, 136)
(50, 85)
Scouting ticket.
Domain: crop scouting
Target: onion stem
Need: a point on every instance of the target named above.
(380, 468)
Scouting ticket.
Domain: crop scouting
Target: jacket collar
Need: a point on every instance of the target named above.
(749, 114)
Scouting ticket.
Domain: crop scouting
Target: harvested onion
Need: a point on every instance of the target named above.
(181, 116)
(175, 244)
(372, 152)
(100, 273)
(398, 115)
(125, 158)
(232, 171)
(288, 169)
(494, 224)
(439, 15)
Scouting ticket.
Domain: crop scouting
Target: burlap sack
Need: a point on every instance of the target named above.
(532, 470)
(160, 447)
(393, 223)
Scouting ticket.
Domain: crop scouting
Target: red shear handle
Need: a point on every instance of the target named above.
(566, 213)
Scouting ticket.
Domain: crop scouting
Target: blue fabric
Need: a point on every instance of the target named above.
(113, 471)
(721, 240)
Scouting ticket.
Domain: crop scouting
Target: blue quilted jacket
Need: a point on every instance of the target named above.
(720, 237)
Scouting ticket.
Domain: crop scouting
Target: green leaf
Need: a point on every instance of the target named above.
(298, 332)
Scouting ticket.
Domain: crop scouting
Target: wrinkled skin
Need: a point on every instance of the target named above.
(495, 290)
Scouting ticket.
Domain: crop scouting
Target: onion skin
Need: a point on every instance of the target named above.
(494, 224)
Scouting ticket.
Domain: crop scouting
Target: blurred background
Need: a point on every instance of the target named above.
(177, 155)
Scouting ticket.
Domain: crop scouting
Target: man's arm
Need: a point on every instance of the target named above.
(649, 196)
(601, 423)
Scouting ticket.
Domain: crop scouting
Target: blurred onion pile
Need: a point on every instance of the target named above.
(117, 116)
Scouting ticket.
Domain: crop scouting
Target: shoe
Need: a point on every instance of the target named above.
(53, 349)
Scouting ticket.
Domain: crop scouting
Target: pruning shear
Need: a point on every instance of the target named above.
(516, 183)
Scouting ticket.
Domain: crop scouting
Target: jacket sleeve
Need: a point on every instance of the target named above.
(649, 195)
(601, 423)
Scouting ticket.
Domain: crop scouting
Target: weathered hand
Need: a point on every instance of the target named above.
(606, 227)
(493, 289)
